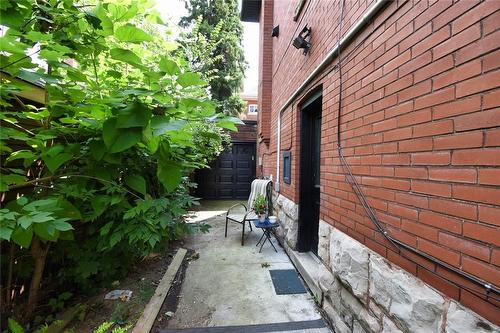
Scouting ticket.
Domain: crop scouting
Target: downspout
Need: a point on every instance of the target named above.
(370, 13)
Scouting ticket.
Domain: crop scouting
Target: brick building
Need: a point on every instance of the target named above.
(399, 228)
(251, 107)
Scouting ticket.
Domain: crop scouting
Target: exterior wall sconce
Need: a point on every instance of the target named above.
(276, 31)
(300, 41)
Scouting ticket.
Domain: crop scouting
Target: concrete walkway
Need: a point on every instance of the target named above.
(230, 284)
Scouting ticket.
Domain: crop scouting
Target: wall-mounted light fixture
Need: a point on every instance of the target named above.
(300, 41)
(276, 31)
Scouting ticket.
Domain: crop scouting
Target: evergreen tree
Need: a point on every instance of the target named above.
(214, 48)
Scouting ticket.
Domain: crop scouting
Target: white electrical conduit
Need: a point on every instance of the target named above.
(329, 57)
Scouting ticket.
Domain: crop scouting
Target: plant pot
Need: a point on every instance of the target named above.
(262, 217)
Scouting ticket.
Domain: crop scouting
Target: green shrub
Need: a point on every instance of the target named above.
(94, 177)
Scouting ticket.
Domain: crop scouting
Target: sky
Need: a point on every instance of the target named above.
(173, 10)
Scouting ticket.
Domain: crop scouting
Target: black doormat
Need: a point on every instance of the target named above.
(287, 281)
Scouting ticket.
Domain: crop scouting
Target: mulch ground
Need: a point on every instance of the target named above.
(142, 281)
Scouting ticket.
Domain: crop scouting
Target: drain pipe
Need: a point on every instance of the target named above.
(370, 13)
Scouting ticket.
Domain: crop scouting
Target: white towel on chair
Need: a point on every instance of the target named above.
(259, 186)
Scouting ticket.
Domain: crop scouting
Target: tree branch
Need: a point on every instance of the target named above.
(20, 59)
(50, 178)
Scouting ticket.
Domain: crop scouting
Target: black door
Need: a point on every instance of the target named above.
(310, 176)
(230, 174)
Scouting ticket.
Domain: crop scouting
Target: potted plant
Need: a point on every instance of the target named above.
(259, 206)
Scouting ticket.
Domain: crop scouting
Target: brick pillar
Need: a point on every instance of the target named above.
(265, 71)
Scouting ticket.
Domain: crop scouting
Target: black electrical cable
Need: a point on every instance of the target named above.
(371, 214)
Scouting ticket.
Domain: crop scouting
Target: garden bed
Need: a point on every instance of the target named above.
(142, 281)
(171, 302)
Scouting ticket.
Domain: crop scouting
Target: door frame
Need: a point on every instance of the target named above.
(304, 236)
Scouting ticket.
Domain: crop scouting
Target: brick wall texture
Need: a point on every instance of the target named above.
(420, 127)
(246, 132)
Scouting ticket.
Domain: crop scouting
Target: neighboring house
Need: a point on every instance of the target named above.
(251, 107)
(32, 91)
(403, 233)
(230, 175)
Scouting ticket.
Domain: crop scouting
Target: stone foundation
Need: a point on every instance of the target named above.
(362, 292)
(287, 212)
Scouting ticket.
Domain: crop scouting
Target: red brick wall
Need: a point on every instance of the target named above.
(420, 128)
(265, 70)
(246, 132)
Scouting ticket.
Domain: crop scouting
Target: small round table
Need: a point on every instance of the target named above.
(268, 230)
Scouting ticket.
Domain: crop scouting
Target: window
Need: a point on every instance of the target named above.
(287, 167)
(252, 108)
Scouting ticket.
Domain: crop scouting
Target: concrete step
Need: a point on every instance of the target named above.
(309, 326)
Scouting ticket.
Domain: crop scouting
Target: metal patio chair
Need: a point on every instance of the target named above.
(259, 186)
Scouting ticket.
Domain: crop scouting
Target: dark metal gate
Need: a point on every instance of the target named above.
(230, 175)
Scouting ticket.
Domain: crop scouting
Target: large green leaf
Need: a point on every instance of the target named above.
(227, 124)
(136, 183)
(37, 36)
(5, 233)
(169, 175)
(41, 217)
(51, 55)
(54, 162)
(13, 13)
(117, 139)
(62, 225)
(10, 43)
(6, 180)
(21, 154)
(12, 134)
(134, 115)
(152, 141)
(76, 75)
(104, 21)
(99, 204)
(190, 79)
(130, 33)
(126, 56)
(122, 13)
(169, 66)
(56, 156)
(46, 231)
(22, 237)
(235, 120)
(67, 210)
(25, 221)
(161, 125)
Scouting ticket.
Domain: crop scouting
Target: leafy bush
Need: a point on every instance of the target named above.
(94, 174)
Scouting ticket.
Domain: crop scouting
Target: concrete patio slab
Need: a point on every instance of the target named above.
(209, 209)
(230, 284)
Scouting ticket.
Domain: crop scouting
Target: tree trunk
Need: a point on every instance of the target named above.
(39, 253)
(8, 293)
